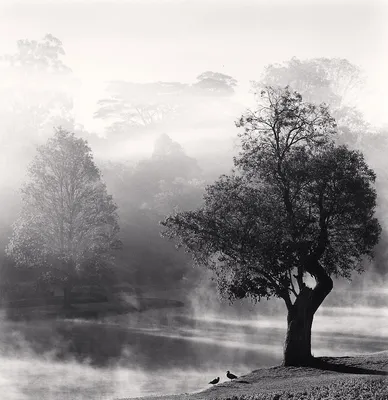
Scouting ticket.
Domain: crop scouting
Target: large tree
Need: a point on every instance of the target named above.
(68, 225)
(297, 206)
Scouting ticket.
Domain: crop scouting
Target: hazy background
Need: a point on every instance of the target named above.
(149, 169)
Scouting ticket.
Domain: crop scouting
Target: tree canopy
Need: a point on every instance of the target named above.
(44, 54)
(215, 83)
(330, 80)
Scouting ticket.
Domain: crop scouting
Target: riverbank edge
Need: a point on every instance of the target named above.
(355, 374)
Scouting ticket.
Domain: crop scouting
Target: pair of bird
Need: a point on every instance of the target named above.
(228, 375)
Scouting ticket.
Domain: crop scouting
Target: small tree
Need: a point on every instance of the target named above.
(298, 206)
(68, 223)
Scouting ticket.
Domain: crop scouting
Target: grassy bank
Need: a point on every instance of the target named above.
(343, 378)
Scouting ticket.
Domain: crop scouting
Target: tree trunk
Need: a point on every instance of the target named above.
(297, 347)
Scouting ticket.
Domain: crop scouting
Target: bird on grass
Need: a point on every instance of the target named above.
(214, 381)
(230, 376)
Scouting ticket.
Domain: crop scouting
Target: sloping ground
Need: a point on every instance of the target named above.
(362, 377)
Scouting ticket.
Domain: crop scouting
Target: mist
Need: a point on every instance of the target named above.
(155, 88)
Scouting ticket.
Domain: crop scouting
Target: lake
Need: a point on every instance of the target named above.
(166, 351)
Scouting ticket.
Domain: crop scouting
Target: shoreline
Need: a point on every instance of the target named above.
(367, 373)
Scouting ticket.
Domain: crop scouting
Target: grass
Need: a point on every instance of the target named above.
(346, 389)
(332, 378)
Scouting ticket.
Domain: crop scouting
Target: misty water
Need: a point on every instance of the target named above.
(169, 351)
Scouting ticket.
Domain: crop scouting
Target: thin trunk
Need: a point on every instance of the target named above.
(297, 347)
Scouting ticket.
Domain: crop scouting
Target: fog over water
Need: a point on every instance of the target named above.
(166, 352)
(164, 349)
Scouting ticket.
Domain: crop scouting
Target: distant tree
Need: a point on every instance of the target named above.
(133, 107)
(330, 80)
(182, 194)
(168, 162)
(68, 225)
(164, 147)
(38, 55)
(36, 93)
(334, 81)
(298, 206)
(146, 192)
(215, 83)
(37, 68)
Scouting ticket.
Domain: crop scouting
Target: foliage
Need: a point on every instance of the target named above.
(36, 94)
(134, 106)
(296, 204)
(215, 83)
(42, 55)
(167, 163)
(131, 108)
(181, 194)
(68, 225)
(329, 80)
(339, 83)
(333, 81)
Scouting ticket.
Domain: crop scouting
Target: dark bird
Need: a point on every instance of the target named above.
(230, 376)
(214, 381)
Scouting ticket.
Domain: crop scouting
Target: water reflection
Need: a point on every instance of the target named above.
(167, 352)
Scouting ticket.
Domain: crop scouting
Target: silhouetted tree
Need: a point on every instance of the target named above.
(68, 225)
(298, 206)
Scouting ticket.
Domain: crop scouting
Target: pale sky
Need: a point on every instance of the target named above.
(175, 40)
